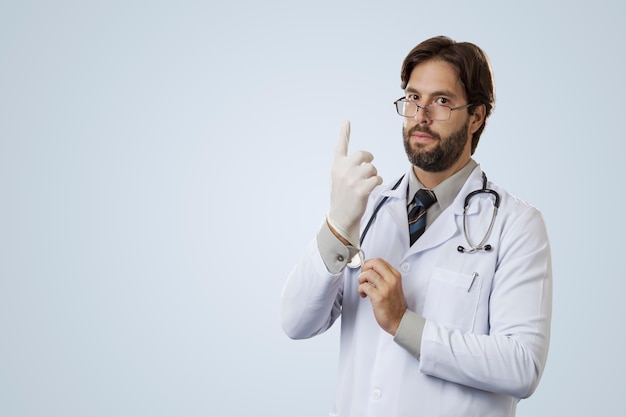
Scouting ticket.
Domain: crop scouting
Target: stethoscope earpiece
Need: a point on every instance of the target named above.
(461, 249)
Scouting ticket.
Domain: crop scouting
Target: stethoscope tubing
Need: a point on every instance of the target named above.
(358, 258)
(496, 204)
(376, 210)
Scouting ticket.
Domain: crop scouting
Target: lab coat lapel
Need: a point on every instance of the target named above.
(397, 204)
(447, 224)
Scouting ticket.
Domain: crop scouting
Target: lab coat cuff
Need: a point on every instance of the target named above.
(409, 333)
(334, 253)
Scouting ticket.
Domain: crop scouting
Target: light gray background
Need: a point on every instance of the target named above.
(163, 164)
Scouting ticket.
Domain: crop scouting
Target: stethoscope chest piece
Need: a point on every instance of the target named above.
(357, 260)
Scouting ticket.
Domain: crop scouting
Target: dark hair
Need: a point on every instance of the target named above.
(471, 65)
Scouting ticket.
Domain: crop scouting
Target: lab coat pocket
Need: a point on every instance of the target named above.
(452, 299)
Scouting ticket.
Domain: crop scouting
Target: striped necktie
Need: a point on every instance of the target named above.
(417, 216)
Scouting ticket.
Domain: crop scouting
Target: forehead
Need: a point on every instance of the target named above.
(435, 76)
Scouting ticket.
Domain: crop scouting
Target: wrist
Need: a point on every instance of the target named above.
(344, 236)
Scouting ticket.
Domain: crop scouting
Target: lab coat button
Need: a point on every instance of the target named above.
(340, 258)
(405, 267)
(376, 394)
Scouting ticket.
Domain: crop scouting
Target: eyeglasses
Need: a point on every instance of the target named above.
(438, 112)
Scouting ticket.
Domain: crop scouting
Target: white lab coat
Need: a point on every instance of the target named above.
(484, 345)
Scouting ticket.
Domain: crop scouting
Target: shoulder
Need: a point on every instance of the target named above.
(518, 216)
(511, 202)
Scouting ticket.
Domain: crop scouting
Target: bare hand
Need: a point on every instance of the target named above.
(382, 283)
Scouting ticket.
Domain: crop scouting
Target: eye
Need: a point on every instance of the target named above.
(412, 97)
(443, 101)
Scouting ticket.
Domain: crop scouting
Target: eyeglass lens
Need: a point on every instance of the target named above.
(433, 111)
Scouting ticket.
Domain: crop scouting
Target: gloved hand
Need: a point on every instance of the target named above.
(352, 179)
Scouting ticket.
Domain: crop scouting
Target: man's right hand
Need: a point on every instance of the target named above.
(352, 179)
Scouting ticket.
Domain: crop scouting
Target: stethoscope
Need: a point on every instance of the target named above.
(357, 260)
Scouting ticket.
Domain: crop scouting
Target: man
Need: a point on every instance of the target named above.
(450, 313)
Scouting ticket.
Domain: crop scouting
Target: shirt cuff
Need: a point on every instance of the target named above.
(409, 333)
(334, 253)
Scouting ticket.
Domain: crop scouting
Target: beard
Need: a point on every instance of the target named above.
(446, 152)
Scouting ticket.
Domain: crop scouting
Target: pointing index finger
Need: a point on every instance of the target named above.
(344, 138)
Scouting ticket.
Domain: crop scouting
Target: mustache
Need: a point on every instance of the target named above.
(422, 129)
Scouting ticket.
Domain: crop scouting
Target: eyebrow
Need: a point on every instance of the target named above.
(445, 93)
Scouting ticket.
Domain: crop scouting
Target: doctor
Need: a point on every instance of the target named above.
(456, 323)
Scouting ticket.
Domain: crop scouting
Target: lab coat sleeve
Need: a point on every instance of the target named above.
(312, 295)
(409, 333)
(511, 357)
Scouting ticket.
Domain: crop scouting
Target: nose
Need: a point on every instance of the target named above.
(421, 116)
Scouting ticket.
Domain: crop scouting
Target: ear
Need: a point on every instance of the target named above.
(477, 119)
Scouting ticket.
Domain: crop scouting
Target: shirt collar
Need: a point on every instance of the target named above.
(447, 191)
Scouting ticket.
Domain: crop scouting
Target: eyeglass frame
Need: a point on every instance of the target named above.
(418, 107)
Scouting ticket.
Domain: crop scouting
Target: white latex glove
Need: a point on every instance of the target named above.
(352, 179)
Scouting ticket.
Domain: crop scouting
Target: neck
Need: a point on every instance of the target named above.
(432, 179)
